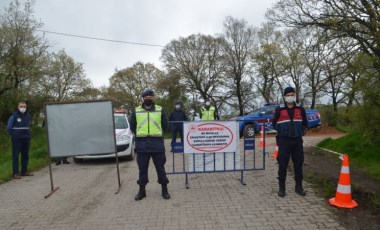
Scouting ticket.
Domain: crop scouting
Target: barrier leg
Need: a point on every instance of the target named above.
(187, 181)
(242, 178)
(51, 182)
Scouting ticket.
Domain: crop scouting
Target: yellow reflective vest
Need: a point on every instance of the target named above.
(148, 123)
(208, 115)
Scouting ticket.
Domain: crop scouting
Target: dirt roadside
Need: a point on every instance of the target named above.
(322, 169)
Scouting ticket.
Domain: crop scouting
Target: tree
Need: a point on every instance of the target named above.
(238, 45)
(171, 91)
(22, 53)
(20, 48)
(293, 63)
(315, 51)
(132, 81)
(354, 19)
(63, 79)
(268, 63)
(197, 60)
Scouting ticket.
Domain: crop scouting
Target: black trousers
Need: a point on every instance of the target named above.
(159, 160)
(290, 148)
(20, 145)
(177, 129)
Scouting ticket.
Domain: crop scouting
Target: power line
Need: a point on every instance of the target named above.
(100, 39)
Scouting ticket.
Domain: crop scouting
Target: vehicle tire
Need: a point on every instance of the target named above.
(77, 160)
(249, 131)
(132, 156)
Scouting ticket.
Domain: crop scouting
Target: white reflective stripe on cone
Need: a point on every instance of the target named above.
(345, 189)
(345, 169)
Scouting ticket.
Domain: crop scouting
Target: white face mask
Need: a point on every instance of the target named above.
(177, 106)
(22, 110)
(290, 99)
(207, 103)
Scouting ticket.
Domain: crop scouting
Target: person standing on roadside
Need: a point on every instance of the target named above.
(177, 116)
(208, 112)
(291, 124)
(148, 123)
(19, 129)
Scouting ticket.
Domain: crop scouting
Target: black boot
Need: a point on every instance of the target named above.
(141, 193)
(165, 193)
(281, 191)
(299, 189)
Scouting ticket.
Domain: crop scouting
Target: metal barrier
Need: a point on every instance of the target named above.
(249, 159)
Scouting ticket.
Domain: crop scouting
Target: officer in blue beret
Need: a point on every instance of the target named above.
(148, 123)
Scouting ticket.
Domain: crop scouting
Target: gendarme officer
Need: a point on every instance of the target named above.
(208, 112)
(291, 124)
(148, 123)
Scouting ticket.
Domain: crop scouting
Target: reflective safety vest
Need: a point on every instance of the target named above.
(208, 115)
(148, 122)
(290, 127)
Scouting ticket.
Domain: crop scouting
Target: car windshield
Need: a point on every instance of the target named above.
(120, 122)
(255, 112)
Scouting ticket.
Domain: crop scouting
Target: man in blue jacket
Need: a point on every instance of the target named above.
(291, 124)
(148, 123)
(19, 129)
(177, 116)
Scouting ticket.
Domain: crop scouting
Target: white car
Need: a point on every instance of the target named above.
(124, 140)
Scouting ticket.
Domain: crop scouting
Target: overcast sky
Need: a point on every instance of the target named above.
(141, 21)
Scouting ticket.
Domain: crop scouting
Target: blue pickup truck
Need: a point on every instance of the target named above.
(251, 123)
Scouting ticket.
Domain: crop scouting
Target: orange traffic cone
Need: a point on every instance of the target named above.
(275, 153)
(343, 197)
(262, 141)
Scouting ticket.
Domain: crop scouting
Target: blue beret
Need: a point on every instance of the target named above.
(147, 92)
(289, 89)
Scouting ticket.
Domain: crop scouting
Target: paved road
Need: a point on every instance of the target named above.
(86, 200)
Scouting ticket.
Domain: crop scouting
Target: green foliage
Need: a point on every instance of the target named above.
(8, 103)
(38, 154)
(322, 184)
(360, 149)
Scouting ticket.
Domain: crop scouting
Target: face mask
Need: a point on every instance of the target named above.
(290, 99)
(207, 103)
(177, 106)
(148, 102)
(22, 110)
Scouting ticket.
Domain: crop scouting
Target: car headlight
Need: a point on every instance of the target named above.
(121, 138)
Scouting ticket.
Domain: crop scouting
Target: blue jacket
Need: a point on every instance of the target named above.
(19, 125)
(149, 144)
(178, 115)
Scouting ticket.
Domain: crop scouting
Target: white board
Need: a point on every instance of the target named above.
(80, 128)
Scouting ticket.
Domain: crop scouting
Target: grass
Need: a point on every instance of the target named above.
(38, 154)
(321, 184)
(361, 152)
